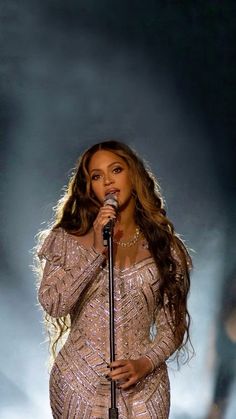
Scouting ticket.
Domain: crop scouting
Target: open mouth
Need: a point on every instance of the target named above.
(112, 192)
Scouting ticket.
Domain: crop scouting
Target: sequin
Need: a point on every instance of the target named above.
(75, 281)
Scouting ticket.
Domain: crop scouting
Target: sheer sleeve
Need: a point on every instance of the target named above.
(63, 281)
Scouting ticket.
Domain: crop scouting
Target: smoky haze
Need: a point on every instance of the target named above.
(78, 73)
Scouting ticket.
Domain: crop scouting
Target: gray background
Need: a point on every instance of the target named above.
(160, 76)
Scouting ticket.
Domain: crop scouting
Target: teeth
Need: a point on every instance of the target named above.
(112, 192)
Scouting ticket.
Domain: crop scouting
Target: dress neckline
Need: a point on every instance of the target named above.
(141, 262)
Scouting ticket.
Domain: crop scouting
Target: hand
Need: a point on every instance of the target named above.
(130, 370)
(105, 214)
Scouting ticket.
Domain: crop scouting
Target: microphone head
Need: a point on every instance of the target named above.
(111, 199)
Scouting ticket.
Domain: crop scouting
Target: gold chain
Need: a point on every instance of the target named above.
(130, 242)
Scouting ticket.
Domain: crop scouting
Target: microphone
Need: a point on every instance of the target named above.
(110, 199)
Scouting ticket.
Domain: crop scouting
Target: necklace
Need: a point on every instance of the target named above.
(130, 242)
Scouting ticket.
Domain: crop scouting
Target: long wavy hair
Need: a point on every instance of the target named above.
(76, 211)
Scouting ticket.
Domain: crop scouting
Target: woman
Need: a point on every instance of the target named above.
(151, 276)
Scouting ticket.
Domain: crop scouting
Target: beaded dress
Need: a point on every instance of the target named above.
(75, 282)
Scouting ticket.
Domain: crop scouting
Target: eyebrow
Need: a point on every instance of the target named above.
(109, 165)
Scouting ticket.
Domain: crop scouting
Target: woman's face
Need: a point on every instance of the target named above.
(109, 173)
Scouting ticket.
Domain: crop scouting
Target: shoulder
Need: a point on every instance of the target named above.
(52, 243)
(85, 240)
(55, 234)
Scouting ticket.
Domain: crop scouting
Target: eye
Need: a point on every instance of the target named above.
(117, 169)
(95, 177)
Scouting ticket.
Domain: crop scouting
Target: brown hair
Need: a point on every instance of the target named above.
(78, 208)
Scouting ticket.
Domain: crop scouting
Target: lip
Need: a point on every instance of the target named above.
(112, 191)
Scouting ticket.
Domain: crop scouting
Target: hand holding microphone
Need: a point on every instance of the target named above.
(105, 219)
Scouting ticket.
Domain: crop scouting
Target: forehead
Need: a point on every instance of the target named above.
(103, 158)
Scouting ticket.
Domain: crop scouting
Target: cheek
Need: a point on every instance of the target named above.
(96, 190)
(128, 182)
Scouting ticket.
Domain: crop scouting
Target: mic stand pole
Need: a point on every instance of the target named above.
(108, 241)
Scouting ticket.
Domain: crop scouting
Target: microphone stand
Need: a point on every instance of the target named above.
(108, 241)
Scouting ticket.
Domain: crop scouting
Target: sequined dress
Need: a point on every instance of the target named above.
(75, 281)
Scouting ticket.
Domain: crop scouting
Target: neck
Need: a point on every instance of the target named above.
(125, 220)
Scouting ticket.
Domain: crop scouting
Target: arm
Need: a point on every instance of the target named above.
(62, 285)
(169, 336)
(166, 341)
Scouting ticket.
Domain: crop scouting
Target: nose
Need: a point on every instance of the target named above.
(107, 179)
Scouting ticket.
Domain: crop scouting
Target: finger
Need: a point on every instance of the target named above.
(121, 376)
(105, 221)
(117, 371)
(102, 220)
(106, 216)
(118, 363)
(107, 209)
(128, 384)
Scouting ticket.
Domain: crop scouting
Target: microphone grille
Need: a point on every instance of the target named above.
(111, 199)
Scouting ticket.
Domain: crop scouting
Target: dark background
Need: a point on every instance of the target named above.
(161, 77)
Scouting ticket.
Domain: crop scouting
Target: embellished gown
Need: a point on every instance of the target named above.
(75, 282)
